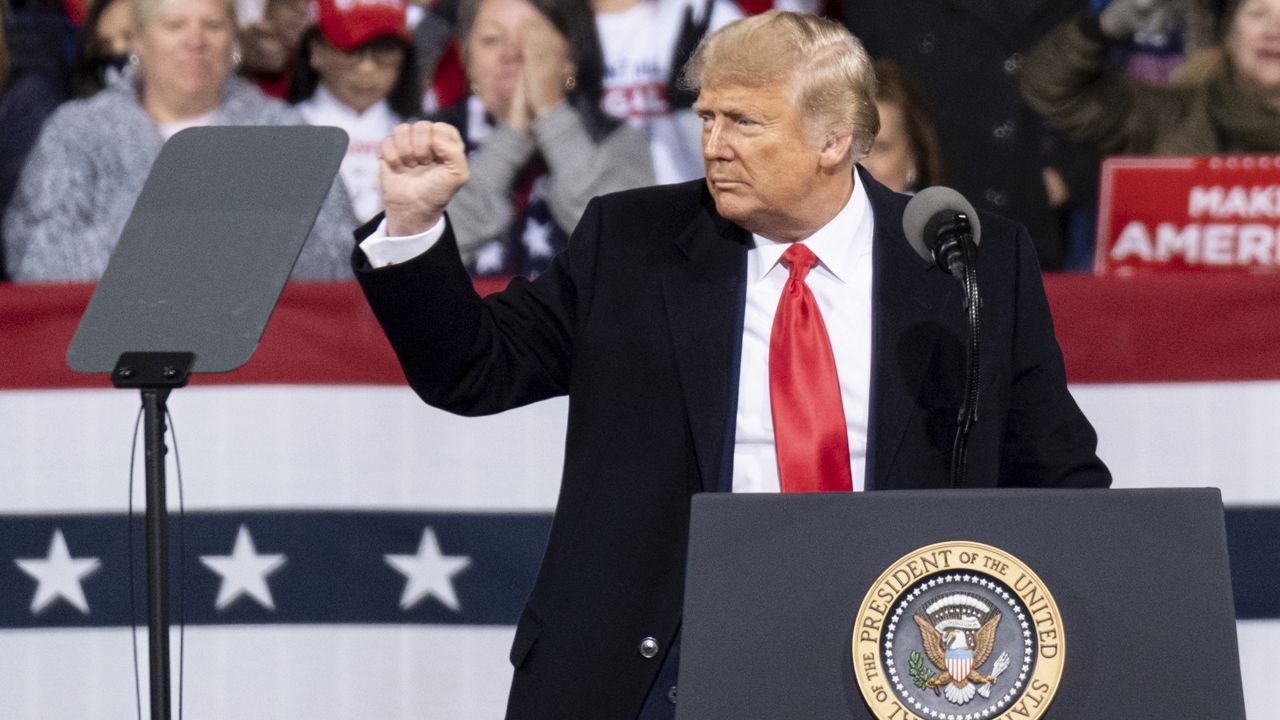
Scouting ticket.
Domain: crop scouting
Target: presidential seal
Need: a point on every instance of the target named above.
(958, 631)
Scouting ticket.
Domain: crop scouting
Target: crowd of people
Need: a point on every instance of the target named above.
(1012, 102)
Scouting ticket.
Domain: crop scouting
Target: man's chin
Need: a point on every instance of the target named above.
(726, 206)
(734, 210)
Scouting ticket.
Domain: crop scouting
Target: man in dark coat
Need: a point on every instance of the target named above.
(655, 321)
(966, 56)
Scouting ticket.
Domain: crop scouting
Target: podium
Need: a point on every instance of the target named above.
(959, 604)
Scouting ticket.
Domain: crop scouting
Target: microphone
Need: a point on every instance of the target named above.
(939, 224)
(943, 227)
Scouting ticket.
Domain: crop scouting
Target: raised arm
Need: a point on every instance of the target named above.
(459, 352)
(1068, 79)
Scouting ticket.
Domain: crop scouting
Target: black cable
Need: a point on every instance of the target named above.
(182, 562)
(968, 415)
(182, 566)
(133, 606)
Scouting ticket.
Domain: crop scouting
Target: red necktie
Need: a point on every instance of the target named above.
(808, 415)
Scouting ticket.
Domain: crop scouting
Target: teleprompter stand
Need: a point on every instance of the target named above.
(189, 288)
(155, 374)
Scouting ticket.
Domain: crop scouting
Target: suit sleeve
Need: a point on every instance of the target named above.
(1048, 442)
(477, 356)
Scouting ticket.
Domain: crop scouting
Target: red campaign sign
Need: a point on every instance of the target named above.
(1180, 214)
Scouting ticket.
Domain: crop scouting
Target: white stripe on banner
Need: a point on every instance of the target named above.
(372, 447)
(281, 447)
(1190, 435)
(263, 673)
(1258, 642)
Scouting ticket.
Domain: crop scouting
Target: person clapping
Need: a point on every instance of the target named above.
(539, 146)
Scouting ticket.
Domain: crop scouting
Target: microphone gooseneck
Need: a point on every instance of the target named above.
(943, 227)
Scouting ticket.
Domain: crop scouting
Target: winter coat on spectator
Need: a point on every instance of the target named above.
(88, 167)
(1069, 80)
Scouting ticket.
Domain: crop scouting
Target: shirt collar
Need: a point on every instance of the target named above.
(838, 244)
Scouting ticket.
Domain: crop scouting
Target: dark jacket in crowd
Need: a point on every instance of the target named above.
(966, 57)
(39, 81)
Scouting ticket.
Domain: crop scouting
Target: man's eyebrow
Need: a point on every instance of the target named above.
(726, 109)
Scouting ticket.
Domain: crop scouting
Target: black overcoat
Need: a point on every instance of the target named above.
(639, 322)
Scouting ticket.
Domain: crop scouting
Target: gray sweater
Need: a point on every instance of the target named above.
(578, 169)
(81, 180)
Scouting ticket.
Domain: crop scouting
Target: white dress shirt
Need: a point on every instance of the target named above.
(382, 250)
(841, 283)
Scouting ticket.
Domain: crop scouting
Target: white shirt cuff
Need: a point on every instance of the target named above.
(383, 250)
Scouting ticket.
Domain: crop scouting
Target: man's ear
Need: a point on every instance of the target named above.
(835, 150)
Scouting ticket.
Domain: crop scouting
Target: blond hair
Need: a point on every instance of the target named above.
(832, 80)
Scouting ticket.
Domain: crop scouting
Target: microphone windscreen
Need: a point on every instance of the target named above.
(925, 206)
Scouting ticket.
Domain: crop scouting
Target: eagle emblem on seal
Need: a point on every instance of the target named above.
(958, 632)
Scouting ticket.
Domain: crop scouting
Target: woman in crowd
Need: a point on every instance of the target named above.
(103, 46)
(356, 71)
(539, 146)
(1233, 107)
(81, 180)
(906, 156)
(645, 45)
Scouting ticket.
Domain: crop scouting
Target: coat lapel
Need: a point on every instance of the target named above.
(908, 296)
(704, 298)
(704, 295)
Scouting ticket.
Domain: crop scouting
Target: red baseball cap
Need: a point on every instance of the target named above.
(348, 24)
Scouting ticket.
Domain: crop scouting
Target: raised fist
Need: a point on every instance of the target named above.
(420, 167)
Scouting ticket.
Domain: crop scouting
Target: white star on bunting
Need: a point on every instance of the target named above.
(58, 575)
(489, 257)
(429, 573)
(244, 572)
(537, 237)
